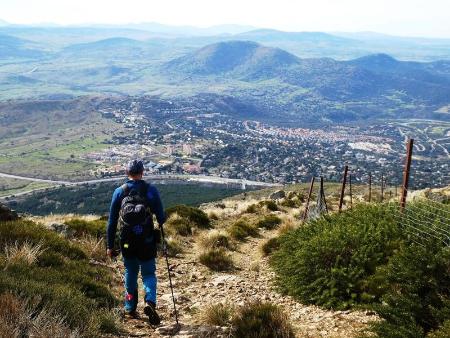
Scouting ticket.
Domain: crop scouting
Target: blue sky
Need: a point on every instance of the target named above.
(398, 17)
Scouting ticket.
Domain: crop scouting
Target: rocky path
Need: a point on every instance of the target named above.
(196, 287)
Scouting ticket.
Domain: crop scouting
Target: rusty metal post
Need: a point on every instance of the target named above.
(322, 194)
(382, 187)
(370, 187)
(305, 214)
(406, 171)
(344, 181)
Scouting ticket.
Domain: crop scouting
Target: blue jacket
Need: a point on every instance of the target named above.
(154, 201)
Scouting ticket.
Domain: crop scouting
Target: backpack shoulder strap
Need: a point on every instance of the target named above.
(125, 189)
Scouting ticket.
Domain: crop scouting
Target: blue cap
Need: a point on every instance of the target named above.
(135, 167)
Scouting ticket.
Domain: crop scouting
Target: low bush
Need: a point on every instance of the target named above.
(241, 230)
(217, 314)
(59, 280)
(174, 246)
(252, 209)
(269, 222)
(270, 205)
(269, 246)
(261, 320)
(216, 259)
(81, 227)
(366, 257)
(288, 203)
(194, 215)
(178, 225)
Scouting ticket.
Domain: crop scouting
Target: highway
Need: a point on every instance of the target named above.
(150, 177)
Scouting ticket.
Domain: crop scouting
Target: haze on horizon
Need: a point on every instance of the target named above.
(400, 17)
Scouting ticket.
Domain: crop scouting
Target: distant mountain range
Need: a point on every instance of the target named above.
(364, 78)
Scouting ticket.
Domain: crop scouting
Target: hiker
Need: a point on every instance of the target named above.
(133, 206)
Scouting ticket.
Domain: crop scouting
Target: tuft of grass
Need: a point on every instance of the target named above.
(174, 246)
(178, 225)
(288, 224)
(269, 222)
(21, 318)
(217, 314)
(93, 247)
(269, 246)
(261, 320)
(213, 216)
(23, 253)
(216, 259)
(214, 240)
(241, 230)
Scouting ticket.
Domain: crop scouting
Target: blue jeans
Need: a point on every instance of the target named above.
(148, 268)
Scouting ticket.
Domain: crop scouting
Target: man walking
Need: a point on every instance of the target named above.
(133, 206)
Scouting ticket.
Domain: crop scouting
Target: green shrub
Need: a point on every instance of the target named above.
(328, 261)
(22, 231)
(442, 332)
(216, 259)
(241, 230)
(178, 226)
(269, 222)
(269, 246)
(62, 280)
(96, 228)
(196, 216)
(288, 203)
(270, 205)
(261, 320)
(252, 209)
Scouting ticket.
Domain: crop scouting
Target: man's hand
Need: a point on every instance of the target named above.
(110, 253)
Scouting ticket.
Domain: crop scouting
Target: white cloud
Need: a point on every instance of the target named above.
(405, 17)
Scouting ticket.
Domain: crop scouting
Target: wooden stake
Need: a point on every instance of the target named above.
(305, 214)
(370, 187)
(344, 181)
(406, 172)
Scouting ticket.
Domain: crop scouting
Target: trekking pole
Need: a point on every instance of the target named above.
(168, 271)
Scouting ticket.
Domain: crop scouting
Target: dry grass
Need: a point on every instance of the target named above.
(21, 319)
(49, 219)
(214, 239)
(217, 314)
(288, 224)
(25, 253)
(177, 225)
(216, 259)
(230, 208)
(93, 247)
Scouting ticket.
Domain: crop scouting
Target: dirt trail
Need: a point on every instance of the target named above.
(197, 287)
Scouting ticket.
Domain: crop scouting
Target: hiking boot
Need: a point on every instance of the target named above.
(150, 311)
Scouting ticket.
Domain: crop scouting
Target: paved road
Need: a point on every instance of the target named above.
(189, 178)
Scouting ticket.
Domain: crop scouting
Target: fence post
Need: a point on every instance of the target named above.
(305, 214)
(322, 194)
(344, 181)
(370, 187)
(406, 171)
(382, 187)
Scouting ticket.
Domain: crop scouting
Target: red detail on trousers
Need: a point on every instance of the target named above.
(129, 297)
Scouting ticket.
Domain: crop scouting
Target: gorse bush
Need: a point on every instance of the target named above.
(327, 262)
(368, 257)
(59, 279)
(197, 217)
(261, 320)
(269, 222)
